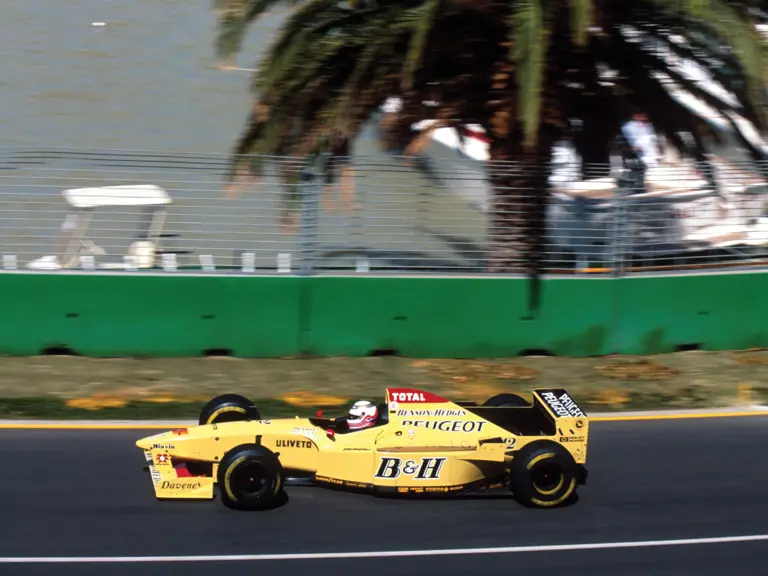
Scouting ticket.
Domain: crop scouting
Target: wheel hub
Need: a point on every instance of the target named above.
(547, 479)
(252, 480)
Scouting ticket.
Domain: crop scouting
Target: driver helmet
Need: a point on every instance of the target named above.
(363, 414)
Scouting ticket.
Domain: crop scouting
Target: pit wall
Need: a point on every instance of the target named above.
(119, 315)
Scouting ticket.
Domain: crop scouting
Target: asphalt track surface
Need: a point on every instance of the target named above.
(83, 494)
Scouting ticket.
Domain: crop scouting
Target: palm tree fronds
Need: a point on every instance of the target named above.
(318, 17)
(316, 31)
(421, 29)
(515, 68)
(582, 19)
(234, 17)
(530, 40)
(740, 34)
(724, 68)
(387, 31)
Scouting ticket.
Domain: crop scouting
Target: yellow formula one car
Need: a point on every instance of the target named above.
(415, 443)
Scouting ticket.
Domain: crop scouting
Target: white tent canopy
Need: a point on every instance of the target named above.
(130, 195)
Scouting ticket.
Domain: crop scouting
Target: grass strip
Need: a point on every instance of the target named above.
(64, 387)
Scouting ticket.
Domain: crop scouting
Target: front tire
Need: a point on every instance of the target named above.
(228, 408)
(250, 477)
(543, 475)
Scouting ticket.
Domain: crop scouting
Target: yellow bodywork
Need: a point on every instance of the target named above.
(428, 444)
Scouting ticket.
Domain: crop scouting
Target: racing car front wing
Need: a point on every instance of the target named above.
(176, 483)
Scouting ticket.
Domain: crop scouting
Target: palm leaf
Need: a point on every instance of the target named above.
(234, 17)
(530, 39)
(421, 30)
(582, 18)
(315, 33)
(744, 39)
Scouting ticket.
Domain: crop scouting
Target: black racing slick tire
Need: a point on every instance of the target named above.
(543, 474)
(228, 408)
(506, 400)
(250, 477)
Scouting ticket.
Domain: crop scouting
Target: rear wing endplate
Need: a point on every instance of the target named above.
(558, 403)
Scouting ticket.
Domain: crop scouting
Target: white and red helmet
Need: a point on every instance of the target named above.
(363, 414)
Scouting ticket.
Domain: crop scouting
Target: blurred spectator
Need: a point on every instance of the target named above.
(642, 139)
(643, 151)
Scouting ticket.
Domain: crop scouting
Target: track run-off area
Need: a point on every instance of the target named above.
(674, 495)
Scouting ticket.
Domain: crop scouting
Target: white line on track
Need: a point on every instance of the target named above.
(382, 554)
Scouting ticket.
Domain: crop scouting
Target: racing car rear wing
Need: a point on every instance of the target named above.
(558, 403)
(552, 412)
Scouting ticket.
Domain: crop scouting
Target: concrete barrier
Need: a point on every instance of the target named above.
(120, 315)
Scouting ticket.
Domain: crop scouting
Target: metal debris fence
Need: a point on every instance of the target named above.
(385, 214)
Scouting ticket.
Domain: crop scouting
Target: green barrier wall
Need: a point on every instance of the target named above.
(124, 315)
(457, 317)
(716, 311)
(104, 315)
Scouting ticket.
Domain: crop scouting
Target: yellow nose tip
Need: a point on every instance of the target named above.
(146, 442)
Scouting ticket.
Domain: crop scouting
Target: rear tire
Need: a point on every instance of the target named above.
(228, 408)
(506, 400)
(543, 474)
(250, 477)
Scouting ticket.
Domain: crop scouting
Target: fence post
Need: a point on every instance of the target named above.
(310, 193)
(618, 264)
(624, 184)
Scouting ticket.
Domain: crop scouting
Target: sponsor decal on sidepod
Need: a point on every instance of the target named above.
(293, 444)
(447, 425)
(426, 469)
(437, 412)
